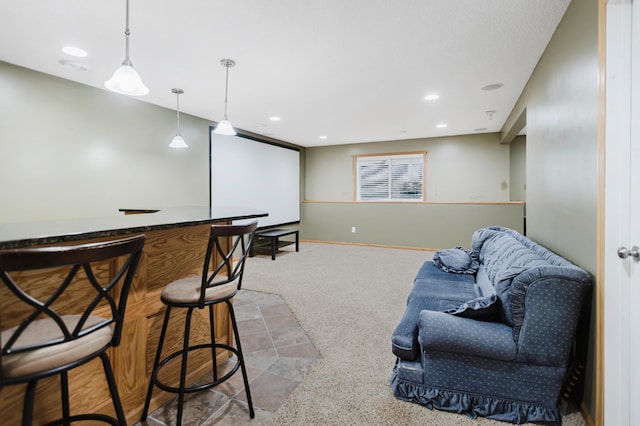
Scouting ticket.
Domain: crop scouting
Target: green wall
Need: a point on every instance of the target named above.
(70, 150)
(73, 151)
(459, 168)
(434, 226)
(561, 102)
(518, 169)
(467, 187)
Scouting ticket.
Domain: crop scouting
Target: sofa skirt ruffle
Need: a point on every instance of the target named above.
(472, 405)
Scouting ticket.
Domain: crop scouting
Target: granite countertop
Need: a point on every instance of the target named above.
(25, 234)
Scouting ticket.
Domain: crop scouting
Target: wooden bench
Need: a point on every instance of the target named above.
(270, 239)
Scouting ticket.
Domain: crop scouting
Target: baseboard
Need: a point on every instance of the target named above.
(369, 245)
(586, 415)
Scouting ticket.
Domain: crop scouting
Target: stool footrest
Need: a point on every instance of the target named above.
(84, 417)
(195, 388)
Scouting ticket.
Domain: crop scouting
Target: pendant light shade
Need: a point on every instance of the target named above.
(178, 141)
(125, 79)
(224, 127)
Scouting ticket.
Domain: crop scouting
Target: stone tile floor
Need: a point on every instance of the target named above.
(278, 355)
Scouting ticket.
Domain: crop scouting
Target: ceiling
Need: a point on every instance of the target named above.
(351, 70)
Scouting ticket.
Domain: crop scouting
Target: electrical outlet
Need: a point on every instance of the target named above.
(353, 229)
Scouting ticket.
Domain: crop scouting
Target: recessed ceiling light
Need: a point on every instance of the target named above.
(493, 86)
(274, 118)
(74, 51)
(431, 97)
(441, 126)
(480, 129)
(322, 137)
(75, 65)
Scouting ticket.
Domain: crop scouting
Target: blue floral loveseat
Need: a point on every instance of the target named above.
(489, 332)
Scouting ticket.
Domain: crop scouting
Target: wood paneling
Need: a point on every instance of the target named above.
(168, 255)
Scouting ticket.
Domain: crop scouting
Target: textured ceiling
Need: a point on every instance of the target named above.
(352, 70)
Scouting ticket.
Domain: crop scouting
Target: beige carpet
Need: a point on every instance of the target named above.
(349, 300)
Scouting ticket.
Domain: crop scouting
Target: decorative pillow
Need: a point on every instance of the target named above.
(483, 308)
(456, 260)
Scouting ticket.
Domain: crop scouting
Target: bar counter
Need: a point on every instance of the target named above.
(126, 221)
(174, 248)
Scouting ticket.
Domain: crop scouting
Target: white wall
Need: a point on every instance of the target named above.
(69, 150)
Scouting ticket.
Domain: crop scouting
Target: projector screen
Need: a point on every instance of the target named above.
(248, 172)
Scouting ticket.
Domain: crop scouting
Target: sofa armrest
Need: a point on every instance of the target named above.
(448, 333)
(552, 312)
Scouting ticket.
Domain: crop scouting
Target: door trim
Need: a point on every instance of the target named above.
(600, 220)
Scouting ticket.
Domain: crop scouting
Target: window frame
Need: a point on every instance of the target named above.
(389, 156)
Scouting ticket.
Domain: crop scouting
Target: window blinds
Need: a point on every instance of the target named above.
(390, 178)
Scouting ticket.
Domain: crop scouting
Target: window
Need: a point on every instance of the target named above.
(390, 177)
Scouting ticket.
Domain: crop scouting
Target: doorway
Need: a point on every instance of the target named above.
(620, 286)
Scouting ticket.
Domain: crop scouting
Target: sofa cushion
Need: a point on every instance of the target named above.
(430, 271)
(433, 290)
(456, 260)
(453, 291)
(484, 308)
(432, 282)
(485, 286)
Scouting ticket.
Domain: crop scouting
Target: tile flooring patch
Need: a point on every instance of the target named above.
(278, 355)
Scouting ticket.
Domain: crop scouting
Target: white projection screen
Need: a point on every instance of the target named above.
(248, 172)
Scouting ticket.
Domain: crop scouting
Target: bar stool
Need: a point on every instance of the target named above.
(75, 322)
(220, 280)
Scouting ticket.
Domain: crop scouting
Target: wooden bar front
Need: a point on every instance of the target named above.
(169, 254)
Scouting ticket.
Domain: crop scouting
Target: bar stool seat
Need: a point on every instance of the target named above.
(221, 279)
(52, 357)
(186, 291)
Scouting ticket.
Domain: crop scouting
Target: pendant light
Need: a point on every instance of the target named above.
(178, 141)
(126, 80)
(224, 127)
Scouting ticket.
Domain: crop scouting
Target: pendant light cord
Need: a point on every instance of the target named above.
(127, 61)
(178, 110)
(226, 90)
